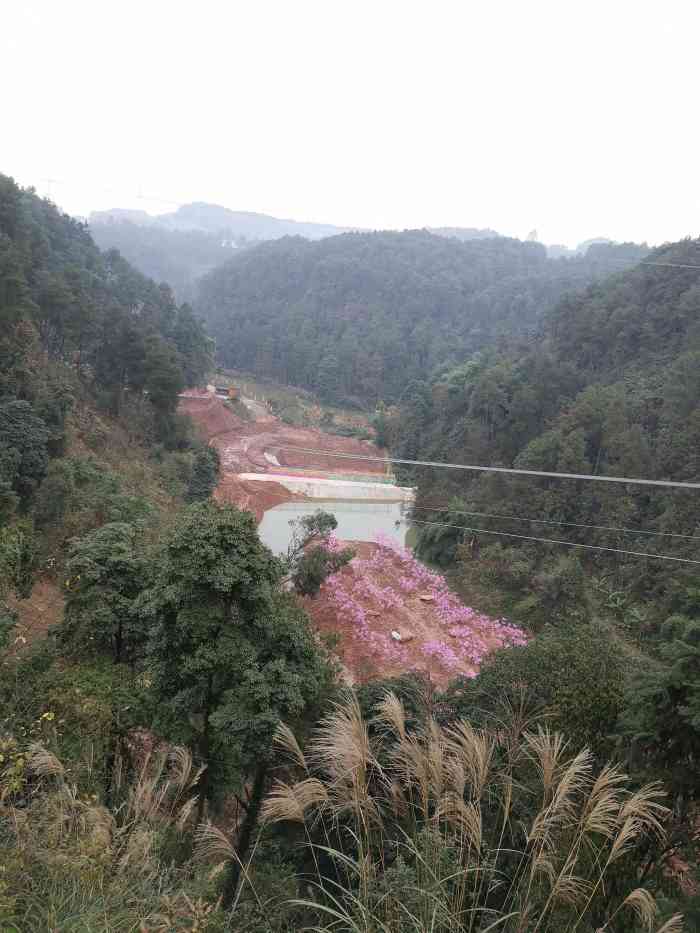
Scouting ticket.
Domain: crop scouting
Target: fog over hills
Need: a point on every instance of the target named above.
(213, 218)
(242, 226)
(250, 225)
(180, 246)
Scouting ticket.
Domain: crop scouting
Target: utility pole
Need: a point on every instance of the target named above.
(49, 183)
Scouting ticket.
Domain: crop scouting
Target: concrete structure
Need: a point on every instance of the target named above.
(317, 488)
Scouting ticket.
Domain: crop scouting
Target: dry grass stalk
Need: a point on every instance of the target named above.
(643, 905)
(438, 781)
(390, 712)
(44, 763)
(547, 750)
(673, 925)
(475, 750)
(213, 845)
(285, 739)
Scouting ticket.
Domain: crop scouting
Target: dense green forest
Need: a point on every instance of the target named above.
(358, 317)
(177, 752)
(177, 257)
(181, 247)
(84, 338)
(610, 385)
(66, 303)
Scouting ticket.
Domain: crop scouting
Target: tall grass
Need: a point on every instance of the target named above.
(69, 863)
(457, 830)
(405, 828)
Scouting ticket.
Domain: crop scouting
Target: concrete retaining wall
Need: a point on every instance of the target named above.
(317, 488)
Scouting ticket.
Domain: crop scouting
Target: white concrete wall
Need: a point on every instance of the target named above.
(317, 488)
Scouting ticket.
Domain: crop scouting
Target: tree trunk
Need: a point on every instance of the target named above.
(116, 748)
(118, 644)
(203, 788)
(250, 821)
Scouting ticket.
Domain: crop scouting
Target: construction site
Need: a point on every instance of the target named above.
(385, 611)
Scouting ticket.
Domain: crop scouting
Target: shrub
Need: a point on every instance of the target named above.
(205, 474)
(575, 679)
(454, 829)
(22, 431)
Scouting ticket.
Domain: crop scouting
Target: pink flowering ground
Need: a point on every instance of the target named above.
(391, 590)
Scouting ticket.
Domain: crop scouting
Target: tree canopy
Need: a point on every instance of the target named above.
(360, 316)
(65, 303)
(608, 385)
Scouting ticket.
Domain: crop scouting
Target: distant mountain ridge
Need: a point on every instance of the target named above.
(356, 318)
(213, 218)
(181, 246)
(249, 225)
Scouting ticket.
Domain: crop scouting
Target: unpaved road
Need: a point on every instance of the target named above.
(243, 447)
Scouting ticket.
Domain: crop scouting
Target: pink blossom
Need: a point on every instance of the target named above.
(354, 595)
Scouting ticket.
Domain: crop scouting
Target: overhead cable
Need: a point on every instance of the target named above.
(626, 480)
(646, 262)
(589, 547)
(547, 521)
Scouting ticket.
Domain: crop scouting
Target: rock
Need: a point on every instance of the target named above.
(373, 613)
(403, 637)
(426, 597)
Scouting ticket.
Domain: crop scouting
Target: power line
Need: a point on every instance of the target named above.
(646, 262)
(490, 469)
(589, 547)
(547, 521)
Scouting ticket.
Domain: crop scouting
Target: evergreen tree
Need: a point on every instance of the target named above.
(23, 439)
(231, 655)
(205, 474)
(105, 575)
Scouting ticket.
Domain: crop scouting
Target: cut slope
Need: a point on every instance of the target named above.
(384, 593)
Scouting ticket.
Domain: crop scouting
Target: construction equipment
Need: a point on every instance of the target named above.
(230, 392)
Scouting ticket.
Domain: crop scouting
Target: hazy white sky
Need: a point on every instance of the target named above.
(575, 118)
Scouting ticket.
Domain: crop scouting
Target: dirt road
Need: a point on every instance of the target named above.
(259, 447)
(379, 596)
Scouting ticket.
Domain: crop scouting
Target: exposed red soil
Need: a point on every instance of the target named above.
(255, 497)
(242, 446)
(415, 620)
(36, 614)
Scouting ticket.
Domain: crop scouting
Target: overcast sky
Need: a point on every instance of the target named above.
(578, 119)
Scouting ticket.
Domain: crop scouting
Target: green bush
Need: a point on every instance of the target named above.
(206, 468)
(574, 679)
(23, 432)
(80, 494)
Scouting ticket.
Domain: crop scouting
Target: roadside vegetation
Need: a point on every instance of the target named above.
(177, 752)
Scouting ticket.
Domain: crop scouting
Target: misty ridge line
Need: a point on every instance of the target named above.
(215, 219)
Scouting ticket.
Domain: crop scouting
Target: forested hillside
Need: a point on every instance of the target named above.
(610, 386)
(177, 257)
(357, 317)
(180, 248)
(176, 750)
(91, 354)
(64, 303)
